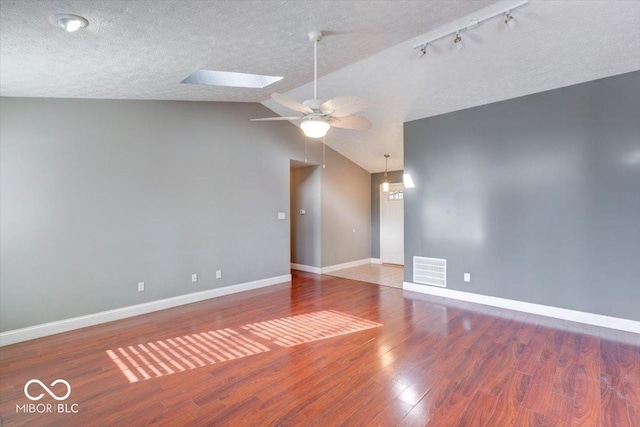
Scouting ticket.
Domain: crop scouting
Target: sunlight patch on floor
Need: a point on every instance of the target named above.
(163, 357)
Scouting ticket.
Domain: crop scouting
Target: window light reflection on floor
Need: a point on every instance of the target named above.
(163, 357)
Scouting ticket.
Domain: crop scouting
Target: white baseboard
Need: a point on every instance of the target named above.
(45, 329)
(307, 268)
(527, 307)
(331, 268)
(376, 261)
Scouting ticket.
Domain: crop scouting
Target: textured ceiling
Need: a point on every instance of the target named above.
(142, 49)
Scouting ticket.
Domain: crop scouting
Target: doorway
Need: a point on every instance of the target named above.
(305, 247)
(392, 224)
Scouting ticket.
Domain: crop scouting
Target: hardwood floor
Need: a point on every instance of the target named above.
(380, 274)
(403, 359)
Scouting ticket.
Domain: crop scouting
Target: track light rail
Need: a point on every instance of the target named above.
(471, 24)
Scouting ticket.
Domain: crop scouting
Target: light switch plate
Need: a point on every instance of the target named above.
(282, 215)
(303, 212)
(140, 286)
(467, 277)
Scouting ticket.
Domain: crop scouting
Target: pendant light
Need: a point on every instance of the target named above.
(385, 184)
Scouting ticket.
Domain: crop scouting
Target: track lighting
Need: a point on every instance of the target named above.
(458, 41)
(472, 24)
(508, 19)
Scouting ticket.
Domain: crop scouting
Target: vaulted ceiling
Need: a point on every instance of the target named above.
(142, 49)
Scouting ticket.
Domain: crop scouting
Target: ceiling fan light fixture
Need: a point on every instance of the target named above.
(69, 22)
(315, 127)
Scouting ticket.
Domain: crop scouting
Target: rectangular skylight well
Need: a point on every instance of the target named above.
(226, 78)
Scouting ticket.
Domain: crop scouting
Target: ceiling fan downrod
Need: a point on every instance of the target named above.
(315, 37)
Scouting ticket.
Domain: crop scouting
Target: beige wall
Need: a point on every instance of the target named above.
(346, 206)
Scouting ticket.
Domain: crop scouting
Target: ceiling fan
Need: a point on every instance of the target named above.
(320, 115)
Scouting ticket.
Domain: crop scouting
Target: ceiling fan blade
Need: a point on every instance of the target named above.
(328, 107)
(275, 118)
(350, 122)
(342, 106)
(291, 103)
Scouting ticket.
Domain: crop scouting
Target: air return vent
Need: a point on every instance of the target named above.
(430, 271)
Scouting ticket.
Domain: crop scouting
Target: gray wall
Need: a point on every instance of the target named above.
(97, 195)
(346, 205)
(537, 197)
(376, 181)
(306, 245)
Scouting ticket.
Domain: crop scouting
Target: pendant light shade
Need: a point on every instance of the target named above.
(385, 184)
(315, 127)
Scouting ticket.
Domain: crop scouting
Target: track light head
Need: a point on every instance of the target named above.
(508, 19)
(423, 51)
(458, 41)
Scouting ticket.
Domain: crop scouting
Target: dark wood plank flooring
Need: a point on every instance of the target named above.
(433, 362)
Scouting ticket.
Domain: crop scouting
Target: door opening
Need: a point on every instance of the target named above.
(392, 224)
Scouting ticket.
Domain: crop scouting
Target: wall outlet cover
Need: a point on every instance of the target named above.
(194, 278)
(467, 277)
(140, 286)
(218, 274)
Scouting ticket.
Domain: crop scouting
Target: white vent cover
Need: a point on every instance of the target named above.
(430, 271)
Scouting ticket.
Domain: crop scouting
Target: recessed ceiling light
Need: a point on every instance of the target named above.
(226, 78)
(69, 22)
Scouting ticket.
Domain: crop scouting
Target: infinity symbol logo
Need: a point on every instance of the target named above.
(52, 394)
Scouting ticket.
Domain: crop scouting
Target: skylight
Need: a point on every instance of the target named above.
(226, 78)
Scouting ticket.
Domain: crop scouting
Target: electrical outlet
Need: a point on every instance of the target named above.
(218, 274)
(194, 278)
(467, 277)
(140, 286)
